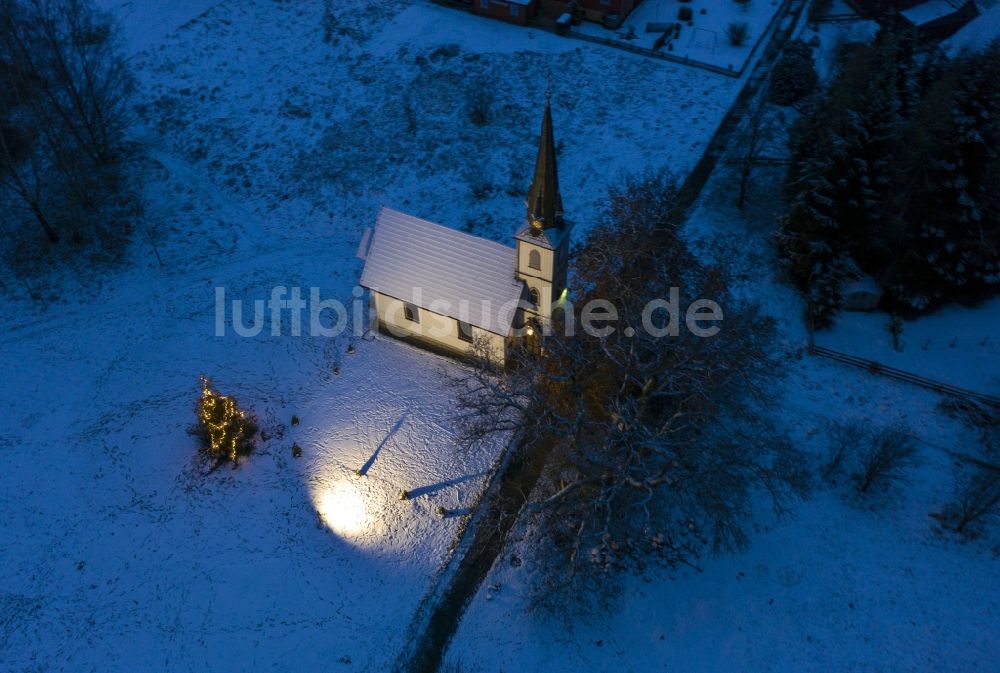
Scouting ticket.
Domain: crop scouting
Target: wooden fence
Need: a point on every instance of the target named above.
(643, 51)
(850, 17)
(781, 12)
(884, 370)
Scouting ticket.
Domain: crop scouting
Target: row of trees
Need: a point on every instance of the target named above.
(894, 175)
(657, 446)
(64, 112)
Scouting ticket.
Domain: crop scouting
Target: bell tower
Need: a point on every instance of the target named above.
(543, 241)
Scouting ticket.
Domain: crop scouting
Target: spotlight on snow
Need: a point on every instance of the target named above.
(342, 508)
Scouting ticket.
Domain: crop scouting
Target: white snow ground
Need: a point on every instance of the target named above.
(270, 152)
(145, 23)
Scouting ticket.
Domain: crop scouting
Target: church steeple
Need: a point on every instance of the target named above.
(544, 203)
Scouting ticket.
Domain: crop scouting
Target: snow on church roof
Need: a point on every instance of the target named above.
(441, 269)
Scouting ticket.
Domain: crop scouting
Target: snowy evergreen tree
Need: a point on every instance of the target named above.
(794, 76)
(950, 200)
(806, 232)
(842, 220)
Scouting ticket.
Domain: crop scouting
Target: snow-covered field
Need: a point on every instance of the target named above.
(269, 153)
(145, 23)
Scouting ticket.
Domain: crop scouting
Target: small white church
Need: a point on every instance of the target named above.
(445, 289)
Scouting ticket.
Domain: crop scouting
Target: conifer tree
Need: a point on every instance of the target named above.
(950, 201)
(226, 431)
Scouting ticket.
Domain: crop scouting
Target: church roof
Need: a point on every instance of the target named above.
(442, 270)
(544, 200)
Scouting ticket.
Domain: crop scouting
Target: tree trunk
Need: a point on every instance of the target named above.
(50, 233)
(744, 179)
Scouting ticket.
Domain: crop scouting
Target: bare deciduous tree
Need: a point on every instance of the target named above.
(64, 112)
(656, 444)
(844, 438)
(759, 132)
(890, 453)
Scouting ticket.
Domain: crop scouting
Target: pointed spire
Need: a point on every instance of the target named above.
(544, 202)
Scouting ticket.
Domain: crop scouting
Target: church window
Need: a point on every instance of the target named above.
(534, 260)
(410, 312)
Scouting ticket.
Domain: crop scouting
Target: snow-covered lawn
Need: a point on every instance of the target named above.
(706, 39)
(955, 345)
(381, 116)
(269, 153)
(122, 554)
(145, 23)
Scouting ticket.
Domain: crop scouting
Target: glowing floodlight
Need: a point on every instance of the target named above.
(342, 508)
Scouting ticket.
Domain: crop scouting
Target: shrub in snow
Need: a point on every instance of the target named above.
(478, 179)
(890, 453)
(844, 438)
(737, 33)
(794, 75)
(977, 496)
(225, 430)
(479, 102)
(685, 14)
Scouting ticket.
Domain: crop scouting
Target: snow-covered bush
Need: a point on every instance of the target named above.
(737, 33)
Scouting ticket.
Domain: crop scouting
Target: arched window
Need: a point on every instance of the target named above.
(534, 260)
(533, 296)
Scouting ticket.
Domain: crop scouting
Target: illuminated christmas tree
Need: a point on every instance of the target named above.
(225, 430)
